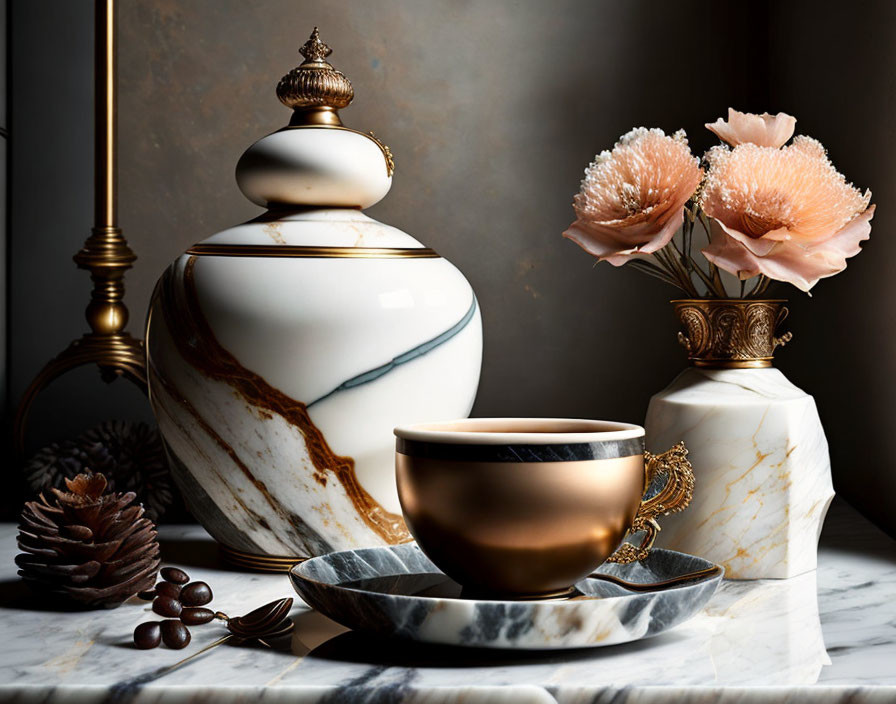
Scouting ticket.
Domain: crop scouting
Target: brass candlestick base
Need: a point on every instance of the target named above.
(105, 255)
(117, 355)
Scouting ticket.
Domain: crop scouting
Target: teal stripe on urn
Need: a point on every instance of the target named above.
(282, 352)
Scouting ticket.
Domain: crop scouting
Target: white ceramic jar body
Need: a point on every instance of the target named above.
(282, 353)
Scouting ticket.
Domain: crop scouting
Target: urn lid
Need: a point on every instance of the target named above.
(315, 90)
(316, 161)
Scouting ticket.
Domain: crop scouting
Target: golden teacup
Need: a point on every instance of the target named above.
(527, 507)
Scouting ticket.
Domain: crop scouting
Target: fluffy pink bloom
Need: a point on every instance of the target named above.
(632, 198)
(786, 213)
(746, 128)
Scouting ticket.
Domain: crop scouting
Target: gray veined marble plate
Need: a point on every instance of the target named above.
(398, 591)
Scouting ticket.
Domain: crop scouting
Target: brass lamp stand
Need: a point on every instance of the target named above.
(105, 254)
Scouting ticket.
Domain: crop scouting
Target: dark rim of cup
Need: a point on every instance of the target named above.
(520, 440)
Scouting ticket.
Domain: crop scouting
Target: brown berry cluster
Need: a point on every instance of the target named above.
(182, 602)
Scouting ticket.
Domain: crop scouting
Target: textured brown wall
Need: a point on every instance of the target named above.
(492, 109)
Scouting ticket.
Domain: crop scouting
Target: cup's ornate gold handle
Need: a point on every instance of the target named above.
(673, 497)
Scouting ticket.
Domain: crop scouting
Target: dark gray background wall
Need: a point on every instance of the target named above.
(492, 109)
(4, 124)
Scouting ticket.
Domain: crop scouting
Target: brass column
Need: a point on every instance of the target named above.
(105, 253)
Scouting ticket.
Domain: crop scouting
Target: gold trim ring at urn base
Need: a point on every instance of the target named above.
(258, 563)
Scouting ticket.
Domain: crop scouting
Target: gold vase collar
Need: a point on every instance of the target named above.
(731, 333)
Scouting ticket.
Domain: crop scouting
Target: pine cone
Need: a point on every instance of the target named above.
(129, 454)
(87, 547)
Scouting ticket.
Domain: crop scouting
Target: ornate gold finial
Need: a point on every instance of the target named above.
(314, 49)
(315, 90)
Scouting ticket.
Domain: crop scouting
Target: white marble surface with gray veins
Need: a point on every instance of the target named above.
(825, 636)
(397, 590)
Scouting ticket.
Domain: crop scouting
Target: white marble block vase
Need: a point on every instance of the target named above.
(760, 457)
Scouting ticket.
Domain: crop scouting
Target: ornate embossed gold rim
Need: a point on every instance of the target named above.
(258, 563)
(281, 250)
(731, 333)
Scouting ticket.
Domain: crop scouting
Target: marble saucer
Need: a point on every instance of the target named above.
(397, 591)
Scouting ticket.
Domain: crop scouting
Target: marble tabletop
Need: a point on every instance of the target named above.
(826, 636)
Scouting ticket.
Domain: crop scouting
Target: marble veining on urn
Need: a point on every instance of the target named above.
(282, 352)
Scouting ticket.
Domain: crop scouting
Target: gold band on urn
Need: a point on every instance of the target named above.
(311, 252)
(731, 333)
(258, 563)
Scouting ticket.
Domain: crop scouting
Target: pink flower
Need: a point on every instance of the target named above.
(786, 213)
(746, 128)
(632, 198)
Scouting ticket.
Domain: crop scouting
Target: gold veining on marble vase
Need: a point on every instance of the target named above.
(731, 333)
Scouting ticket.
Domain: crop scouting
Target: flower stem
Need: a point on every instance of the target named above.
(704, 220)
(717, 281)
(762, 283)
(652, 270)
(755, 287)
(675, 269)
(707, 281)
(714, 279)
(687, 235)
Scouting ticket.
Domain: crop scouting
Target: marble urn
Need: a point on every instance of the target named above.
(282, 352)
